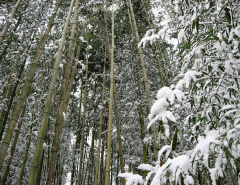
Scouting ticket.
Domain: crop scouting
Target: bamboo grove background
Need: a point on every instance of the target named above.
(80, 91)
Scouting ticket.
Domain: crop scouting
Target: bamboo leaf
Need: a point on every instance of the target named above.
(227, 15)
(174, 143)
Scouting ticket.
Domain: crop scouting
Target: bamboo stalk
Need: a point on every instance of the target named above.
(145, 78)
(101, 121)
(8, 22)
(83, 123)
(21, 174)
(12, 151)
(63, 98)
(49, 101)
(110, 115)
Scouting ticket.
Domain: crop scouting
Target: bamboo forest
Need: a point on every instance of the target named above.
(120, 92)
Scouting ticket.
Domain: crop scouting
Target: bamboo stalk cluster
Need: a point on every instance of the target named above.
(61, 88)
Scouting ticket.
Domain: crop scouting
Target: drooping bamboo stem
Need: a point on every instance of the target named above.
(25, 89)
(49, 101)
(161, 69)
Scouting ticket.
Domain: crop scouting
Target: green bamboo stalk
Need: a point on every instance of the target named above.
(21, 174)
(11, 91)
(83, 124)
(110, 115)
(63, 96)
(12, 151)
(118, 133)
(145, 78)
(8, 22)
(101, 122)
(49, 101)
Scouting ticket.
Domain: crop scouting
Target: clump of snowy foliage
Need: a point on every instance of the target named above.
(200, 112)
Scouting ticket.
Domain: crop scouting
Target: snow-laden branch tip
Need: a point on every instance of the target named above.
(132, 179)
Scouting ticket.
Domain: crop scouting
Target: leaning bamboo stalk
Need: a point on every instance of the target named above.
(83, 123)
(101, 174)
(11, 91)
(161, 68)
(21, 174)
(10, 37)
(101, 122)
(8, 22)
(25, 89)
(73, 179)
(145, 78)
(12, 151)
(47, 109)
(63, 104)
(110, 114)
(118, 133)
(141, 117)
(57, 135)
(115, 105)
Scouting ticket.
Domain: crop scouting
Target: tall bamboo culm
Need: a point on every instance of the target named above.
(115, 104)
(110, 114)
(8, 22)
(101, 121)
(63, 97)
(21, 173)
(80, 175)
(12, 150)
(48, 105)
(145, 78)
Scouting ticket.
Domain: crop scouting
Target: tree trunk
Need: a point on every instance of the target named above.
(48, 105)
(25, 89)
(8, 22)
(110, 114)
